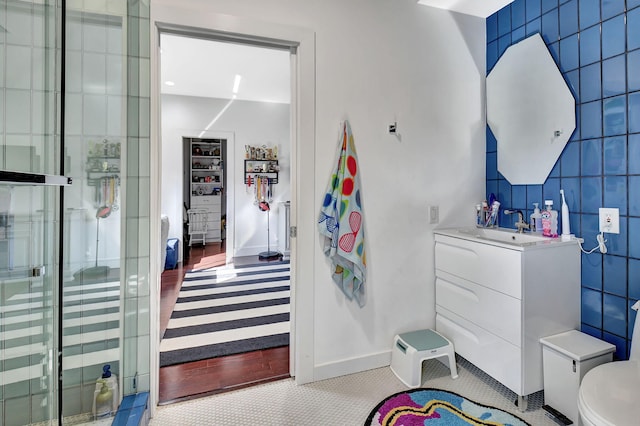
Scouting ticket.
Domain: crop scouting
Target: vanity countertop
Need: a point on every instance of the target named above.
(506, 238)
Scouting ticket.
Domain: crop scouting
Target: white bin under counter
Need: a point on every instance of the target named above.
(567, 357)
(499, 292)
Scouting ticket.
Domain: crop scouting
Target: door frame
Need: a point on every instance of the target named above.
(165, 17)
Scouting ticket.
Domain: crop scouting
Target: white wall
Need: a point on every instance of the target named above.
(376, 62)
(252, 123)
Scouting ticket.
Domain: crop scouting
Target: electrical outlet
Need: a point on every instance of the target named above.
(609, 220)
(434, 214)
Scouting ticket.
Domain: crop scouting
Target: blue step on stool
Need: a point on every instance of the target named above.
(412, 348)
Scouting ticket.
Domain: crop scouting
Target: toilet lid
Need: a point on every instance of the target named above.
(609, 393)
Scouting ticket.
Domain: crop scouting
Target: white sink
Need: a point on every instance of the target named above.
(504, 236)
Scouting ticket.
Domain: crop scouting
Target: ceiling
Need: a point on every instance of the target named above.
(481, 8)
(208, 68)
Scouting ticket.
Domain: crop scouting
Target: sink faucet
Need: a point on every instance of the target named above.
(521, 225)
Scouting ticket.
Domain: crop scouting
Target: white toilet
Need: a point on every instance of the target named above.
(609, 394)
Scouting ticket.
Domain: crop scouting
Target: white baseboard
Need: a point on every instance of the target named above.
(254, 250)
(352, 365)
(248, 251)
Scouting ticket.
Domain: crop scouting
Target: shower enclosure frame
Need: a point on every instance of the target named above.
(49, 269)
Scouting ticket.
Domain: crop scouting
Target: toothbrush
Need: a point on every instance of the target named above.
(566, 226)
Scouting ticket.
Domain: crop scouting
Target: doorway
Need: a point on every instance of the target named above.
(243, 118)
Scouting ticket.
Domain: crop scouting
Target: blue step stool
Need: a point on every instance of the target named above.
(411, 349)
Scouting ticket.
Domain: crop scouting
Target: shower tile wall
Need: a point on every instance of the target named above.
(597, 48)
(95, 101)
(136, 365)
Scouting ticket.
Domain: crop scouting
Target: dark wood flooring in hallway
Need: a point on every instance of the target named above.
(209, 376)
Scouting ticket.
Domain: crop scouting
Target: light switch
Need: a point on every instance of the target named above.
(434, 214)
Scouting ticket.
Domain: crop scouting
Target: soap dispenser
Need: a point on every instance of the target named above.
(109, 380)
(536, 219)
(103, 400)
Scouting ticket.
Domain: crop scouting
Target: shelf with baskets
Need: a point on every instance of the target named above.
(261, 168)
(103, 162)
(103, 174)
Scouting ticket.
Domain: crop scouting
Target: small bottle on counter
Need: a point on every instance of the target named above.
(549, 220)
(535, 224)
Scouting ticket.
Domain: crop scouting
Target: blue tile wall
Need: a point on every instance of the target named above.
(633, 64)
(569, 18)
(504, 22)
(597, 48)
(569, 52)
(517, 14)
(613, 76)
(612, 8)
(634, 196)
(590, 45)
(533, 9)
(634, 112)
(547, 5)
(550, 26)
(633, 29)
(589, 13)
(614, 111)
(591, 119)
(634, 278)
(518, 34)
(613, 37)
(590, 83)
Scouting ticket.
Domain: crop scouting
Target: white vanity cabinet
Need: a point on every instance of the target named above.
(496, 299)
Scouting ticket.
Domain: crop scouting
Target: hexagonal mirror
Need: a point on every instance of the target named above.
(530, 110)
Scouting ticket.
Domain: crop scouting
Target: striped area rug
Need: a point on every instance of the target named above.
(228, 310)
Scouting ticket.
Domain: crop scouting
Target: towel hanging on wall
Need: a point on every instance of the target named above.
(341, 223)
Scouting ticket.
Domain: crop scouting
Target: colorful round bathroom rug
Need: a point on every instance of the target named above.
(434, 407)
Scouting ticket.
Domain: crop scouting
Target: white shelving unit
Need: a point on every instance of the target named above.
(207, 182)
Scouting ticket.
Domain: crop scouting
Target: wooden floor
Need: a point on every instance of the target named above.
(209, 376)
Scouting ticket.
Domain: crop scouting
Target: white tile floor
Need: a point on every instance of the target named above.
(340, 401)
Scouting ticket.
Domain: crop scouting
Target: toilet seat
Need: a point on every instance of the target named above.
(609, 394)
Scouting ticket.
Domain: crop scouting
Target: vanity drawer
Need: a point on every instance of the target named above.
(489, 309)
(490, 266)
(495, 356)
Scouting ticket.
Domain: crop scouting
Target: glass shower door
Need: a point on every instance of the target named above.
(27, 304)
(28, 214)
